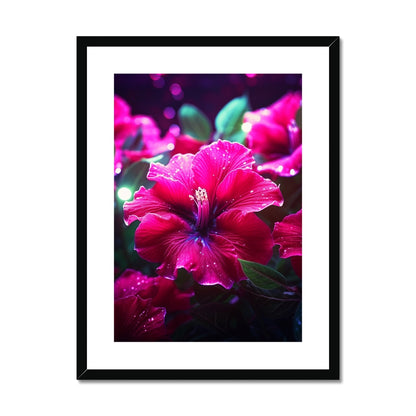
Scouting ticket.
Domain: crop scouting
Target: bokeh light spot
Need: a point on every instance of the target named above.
(169, 113)
(246, 127)
(124, 194)
(175, 130)
(175, 89)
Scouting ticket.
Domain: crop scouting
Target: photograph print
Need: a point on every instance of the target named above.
(207, 207)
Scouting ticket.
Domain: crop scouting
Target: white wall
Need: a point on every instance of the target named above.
(38, 207)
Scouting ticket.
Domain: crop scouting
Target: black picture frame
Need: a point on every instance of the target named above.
(333, 372)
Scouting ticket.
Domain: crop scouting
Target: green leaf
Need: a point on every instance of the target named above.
(239, 136)
(263, 276)
(184, 279)
(298, 117)
(270, 303)
(163, 158)
(194, 122)
(135, 176)
(134, 142)
(209, 294)
(297, 323)
(230, 119)
(221, 318)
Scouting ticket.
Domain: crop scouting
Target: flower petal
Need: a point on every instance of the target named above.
(186, 144)
(288, 235)
(156, 147)
(284, 110)
(297, 265)
(295, 134)
(123, 128)
(286, 166)
(163, 292)
(212, 260)
(136, 319)
(171, 193)
(152, 144)
(214, 162)
(265, 136)
(247, 191)
(170, 297)
(132, 282)
(179, 169)
(150, 131)
(144, 202)
(158, 236)
(249, 235)
(121, 108)
(171, 241)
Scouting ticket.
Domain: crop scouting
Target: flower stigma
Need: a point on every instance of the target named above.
(202, 203)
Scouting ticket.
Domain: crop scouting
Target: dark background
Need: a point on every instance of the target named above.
(150, 95)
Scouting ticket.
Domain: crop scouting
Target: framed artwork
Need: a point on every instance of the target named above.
(208, 208)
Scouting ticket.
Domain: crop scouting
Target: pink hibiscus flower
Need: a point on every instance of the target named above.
(274, 135)
(126, 125)
(200, 214)
(141, 304)
(288, 235)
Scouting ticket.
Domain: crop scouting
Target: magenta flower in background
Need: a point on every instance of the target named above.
(126, 125)
(288, 235)
(274, 135)
(186, 144)
(200, 214)
(141, 304)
